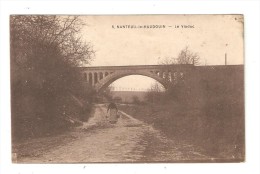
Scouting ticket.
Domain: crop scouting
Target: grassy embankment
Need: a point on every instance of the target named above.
(208, 112)
(33, 120)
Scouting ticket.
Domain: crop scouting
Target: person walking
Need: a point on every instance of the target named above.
(112, 113)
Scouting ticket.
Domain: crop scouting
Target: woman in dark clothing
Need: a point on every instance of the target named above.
(112, 113)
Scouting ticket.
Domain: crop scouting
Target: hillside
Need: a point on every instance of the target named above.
(206, 109)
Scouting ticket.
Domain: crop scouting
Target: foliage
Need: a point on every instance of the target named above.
(154, 94)
(44, 53)
(105, 95)
(33, 35)
(135, 100)
(186, 56)
(207, 109)
(177, 88)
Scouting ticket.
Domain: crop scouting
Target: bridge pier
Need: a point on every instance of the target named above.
(92, 78)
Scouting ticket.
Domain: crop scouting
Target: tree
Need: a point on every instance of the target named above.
(44, 53)
(135, 100)
(105, 95)
(186, 56)
(154, 94)
(34, 33)
(45, 48)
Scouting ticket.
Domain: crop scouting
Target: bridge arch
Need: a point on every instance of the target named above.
(117, 75)
(101, 77)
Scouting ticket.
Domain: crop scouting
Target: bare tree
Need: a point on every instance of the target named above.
(46, 48)
(167, 61)
(34, 33)
(186, 56)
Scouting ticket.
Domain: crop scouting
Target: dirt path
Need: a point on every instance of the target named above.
(130, 140)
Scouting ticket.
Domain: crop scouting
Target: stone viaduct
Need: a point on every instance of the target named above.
(102, 76)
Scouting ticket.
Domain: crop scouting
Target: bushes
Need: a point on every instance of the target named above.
(44, 53)
(206, 110)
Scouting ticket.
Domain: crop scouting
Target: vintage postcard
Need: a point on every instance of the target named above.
(127, 88)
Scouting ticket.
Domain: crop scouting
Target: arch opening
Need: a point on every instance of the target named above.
(90, 78)
(95, 78)
(133, 88)
(133, 82)
(100, 76)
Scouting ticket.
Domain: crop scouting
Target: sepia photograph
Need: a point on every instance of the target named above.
(127, 88)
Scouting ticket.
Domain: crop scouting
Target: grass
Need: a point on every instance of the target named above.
(218, 130)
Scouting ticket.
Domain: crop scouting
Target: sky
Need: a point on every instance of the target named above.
(210, 36)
